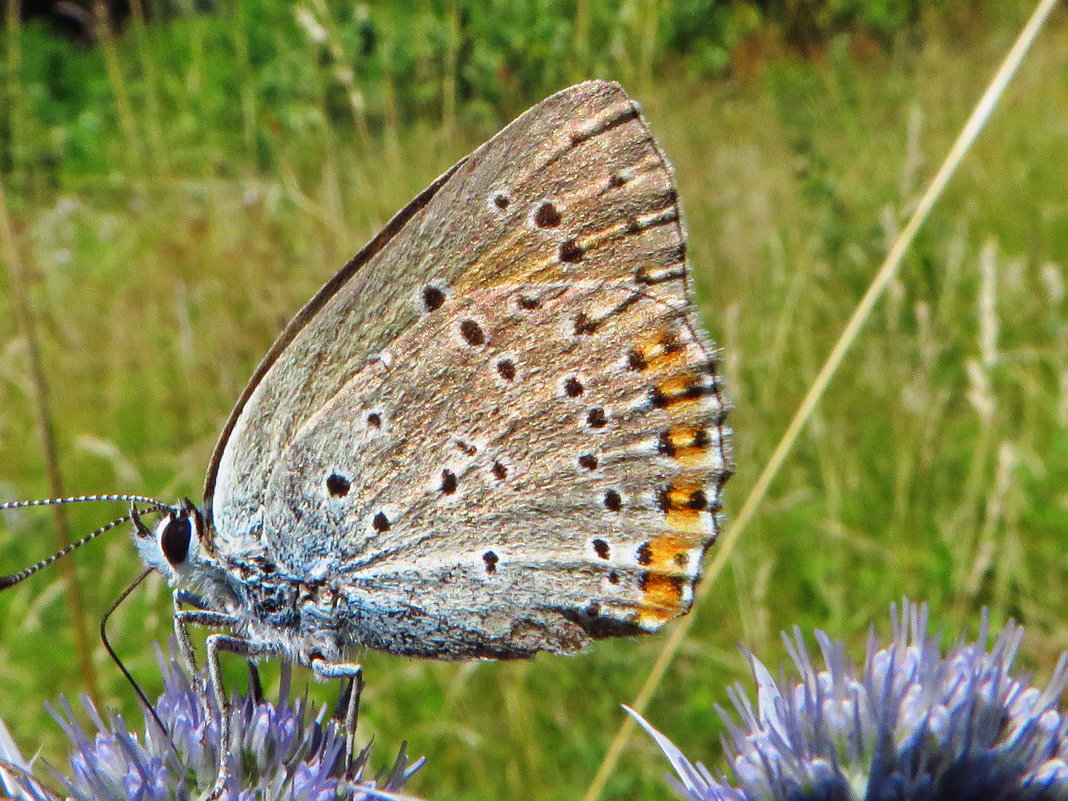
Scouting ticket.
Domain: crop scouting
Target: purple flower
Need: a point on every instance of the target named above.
(16, 780)
(911, 724)
(281, 750)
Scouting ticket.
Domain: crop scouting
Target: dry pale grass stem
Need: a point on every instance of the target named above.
(862, 313)
(988, 305)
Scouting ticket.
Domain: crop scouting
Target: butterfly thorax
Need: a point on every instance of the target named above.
(281, 611)
(290, 615)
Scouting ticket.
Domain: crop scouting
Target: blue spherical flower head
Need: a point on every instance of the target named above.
(281, 750)
(912, 724)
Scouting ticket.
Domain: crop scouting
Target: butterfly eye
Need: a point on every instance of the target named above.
(174, 541)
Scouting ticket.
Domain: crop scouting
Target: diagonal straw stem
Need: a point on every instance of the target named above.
(980, 114)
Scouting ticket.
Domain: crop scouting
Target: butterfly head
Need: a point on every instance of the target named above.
(177, 546)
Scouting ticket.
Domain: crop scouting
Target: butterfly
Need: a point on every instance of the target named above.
(498, 430)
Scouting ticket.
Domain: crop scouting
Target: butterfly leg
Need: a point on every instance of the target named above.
(200, 615)
(216, 644)
(353, 672)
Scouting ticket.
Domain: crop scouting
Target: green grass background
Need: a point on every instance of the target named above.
(170, 233)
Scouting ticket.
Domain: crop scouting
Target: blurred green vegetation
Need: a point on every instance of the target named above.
(185, 90)
(262, 70)
(180, 189)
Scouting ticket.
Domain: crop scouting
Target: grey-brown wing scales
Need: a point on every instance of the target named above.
(500, 407)
(575, 187)
(528, 466)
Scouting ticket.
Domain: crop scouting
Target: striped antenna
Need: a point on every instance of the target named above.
(14, 578)
(83, 499)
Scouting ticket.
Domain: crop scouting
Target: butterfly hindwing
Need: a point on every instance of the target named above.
(547, 470)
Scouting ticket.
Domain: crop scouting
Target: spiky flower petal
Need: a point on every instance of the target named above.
(16, 779)
(281, 750)
(911, 724)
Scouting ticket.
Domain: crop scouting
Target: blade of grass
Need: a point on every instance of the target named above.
(580, 43)
(154, 118)
(247, 81)
(12, 116)
(647, 48)
(976, 121)
(449, 81)
(113, 66)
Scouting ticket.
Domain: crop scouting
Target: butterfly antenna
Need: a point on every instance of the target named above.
(115, 657)
(83, 499)
(14, 578)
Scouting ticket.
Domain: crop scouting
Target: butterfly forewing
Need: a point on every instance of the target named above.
(501, 433)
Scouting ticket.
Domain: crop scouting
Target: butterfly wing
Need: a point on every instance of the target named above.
(497, 429)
